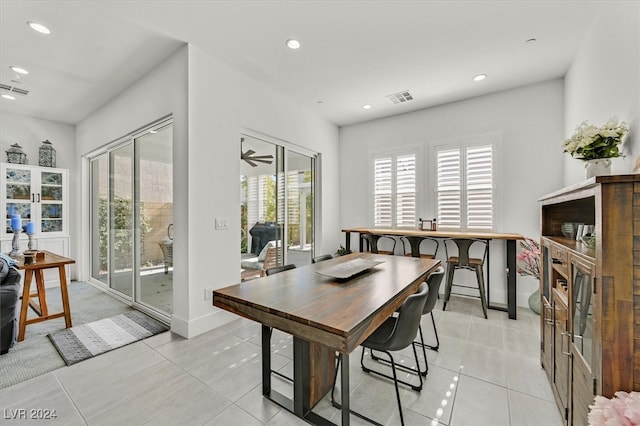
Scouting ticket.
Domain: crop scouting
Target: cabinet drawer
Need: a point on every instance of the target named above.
(559, 254)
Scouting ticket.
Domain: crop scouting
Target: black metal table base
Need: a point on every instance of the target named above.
(299, 405)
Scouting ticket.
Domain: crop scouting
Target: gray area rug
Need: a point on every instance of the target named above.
(85, 341)
(36, 355)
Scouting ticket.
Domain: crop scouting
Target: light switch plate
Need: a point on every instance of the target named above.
(222, 223)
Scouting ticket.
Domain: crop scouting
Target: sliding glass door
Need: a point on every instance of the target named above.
(132, 219)
(277, 206)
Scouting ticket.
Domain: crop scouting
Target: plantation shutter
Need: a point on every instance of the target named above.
(382, 192)
(448, 188)
(293, 197)
(252, 200)
(479, 181)
(406, 190)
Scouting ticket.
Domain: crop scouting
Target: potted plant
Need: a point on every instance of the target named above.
(597, 145)
(342, 251)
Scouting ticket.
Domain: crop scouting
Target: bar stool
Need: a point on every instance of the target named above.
(457, 252)
(415, 242)
(373, 240)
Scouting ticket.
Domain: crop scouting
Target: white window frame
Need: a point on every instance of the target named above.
(493, 139)
(414, 150)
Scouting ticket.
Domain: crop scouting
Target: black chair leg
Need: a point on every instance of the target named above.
(415, 371)
(395, 382)
(435, 331)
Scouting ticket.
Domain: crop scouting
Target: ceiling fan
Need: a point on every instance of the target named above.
(252, 159)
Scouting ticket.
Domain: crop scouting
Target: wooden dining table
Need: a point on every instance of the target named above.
(324, 315)
(510, 254)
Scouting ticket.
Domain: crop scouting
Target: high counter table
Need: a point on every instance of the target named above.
(509, 238)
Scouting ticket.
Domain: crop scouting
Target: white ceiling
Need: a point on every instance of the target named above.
(353, 52)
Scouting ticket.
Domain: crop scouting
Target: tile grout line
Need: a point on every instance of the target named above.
(75, 406)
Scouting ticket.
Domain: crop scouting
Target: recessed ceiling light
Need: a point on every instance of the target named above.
(366, 106)
(11, 98)
(19, 70)
(293, 43)
(38, 27)
(479, 77)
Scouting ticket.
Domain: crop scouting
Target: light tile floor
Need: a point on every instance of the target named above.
(487, 372)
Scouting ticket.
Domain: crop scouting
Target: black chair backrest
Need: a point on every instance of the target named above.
(281, 268)
(409, 316)
(373, 240)
(321, 258)
(464, 247)
(433, 281)
(432, 242)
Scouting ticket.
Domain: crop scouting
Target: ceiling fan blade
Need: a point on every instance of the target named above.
(251, 163)
(258, 160)
(270, 157)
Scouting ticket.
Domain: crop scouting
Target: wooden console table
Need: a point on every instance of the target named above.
(509, 238)
(37, 268)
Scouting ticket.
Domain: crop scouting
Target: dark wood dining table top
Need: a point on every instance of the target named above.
(314, 307)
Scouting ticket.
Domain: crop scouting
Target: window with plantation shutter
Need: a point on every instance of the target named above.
(394, 190)
(449, 188)
(479, 179)
(464, 186)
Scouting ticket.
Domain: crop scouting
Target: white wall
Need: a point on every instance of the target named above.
(530, 121)
(29, 132)
(211, 104)
(604, 82)
(222, 103)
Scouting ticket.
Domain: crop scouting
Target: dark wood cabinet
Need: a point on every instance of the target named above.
(590, 321)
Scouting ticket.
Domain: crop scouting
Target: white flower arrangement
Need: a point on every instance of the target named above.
(621, 410)
(590, 142)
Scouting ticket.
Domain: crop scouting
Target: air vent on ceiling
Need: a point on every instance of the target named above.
(13, 89)
(397, 98)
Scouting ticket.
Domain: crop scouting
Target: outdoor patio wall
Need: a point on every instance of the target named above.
(604, 82)
(211, 104)
(529, 160)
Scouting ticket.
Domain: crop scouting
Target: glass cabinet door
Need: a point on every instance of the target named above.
(582, 309)
(51, 201)
(18, 196)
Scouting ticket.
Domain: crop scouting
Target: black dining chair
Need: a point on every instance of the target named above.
(271, 271)
(395, 334)
(433, 282)
(321, 258)
(280, 268)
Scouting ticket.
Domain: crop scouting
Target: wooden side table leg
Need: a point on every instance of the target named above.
(26, 294)
(42, 295)
(65, 296)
